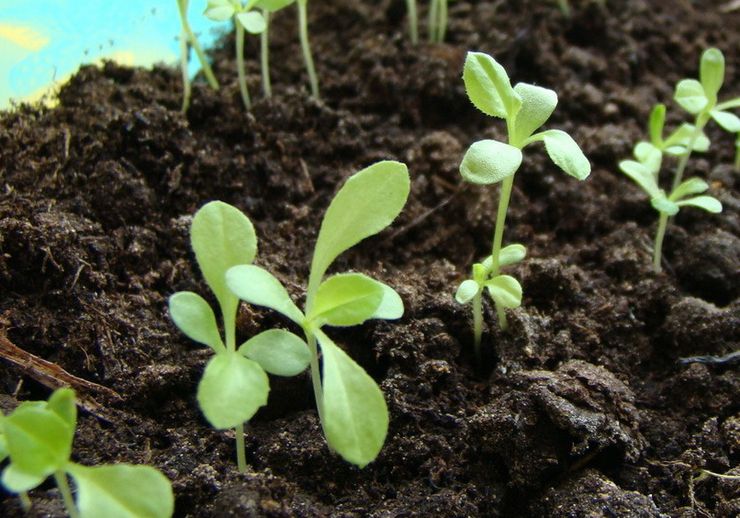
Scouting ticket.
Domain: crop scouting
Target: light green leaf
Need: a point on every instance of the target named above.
(640, 175)
(664, 205)
(274, 5)
(649, 156)
(506, 291)
(122, 491)
(690, 95)
(222, 237)
(708, 203)
(62, 403)
(489, 161)
(194, 317)
(511, 254)
(3, 445)
(656, 124)
(16, 480)
(712, 72)
(258, 286)
(355, 416)
(231, 390)
(488, 86)
(537, 106)
(367, 203)
(278, 352)
(688, 187)
(566, 154)
(219, 10)
(677, 143)
(391, 305)
(729, 105)
(466, 291)
(481, 270)
(729, 121)
(346, 299)
(253, 22)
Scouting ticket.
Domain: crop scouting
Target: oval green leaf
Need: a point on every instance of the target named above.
(391, 305)
(664, 205)
(690, 95)
(728, 121)
(16, 480)
(346, 299)
(688, 187)
(63, 403)
(537, 105)
(489, 161)
(466, 291)
(488, 86)
(253, 22)
(219, 10)
(258, 286)
(278, 352)
(566, 154)
(641, 175)
(274, 5)
(712, 72)
(511, 254)
(194, 317)
(506, 291)
(708, 203)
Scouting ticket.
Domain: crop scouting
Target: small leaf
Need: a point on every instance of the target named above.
(677, 143)
(253, 22)
(367, 203)
(712, 72)
(537, 105)
(16, 480)
(488, 86)
(649, 156)
(62, 403)
(640, 175)
(194, 317)
(481, 270)
(258, 286)
(391, 305)
(664, 205)
(566, 154)
(688, 187)
(278, 352)
(274, 5)
(708, 203)
(729, 105)
(656, 124)
(690, 95)
(506, 291)
(231, 390)
(355, 416)
(511, 254)
(466, 291)
(489, 161)
(346, 299)
(219, 10)
(729, 121)
(122, 491)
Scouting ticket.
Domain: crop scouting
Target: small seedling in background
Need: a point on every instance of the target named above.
(437, 24)
(37, 437)
(306, 47)
(525, 108)
(268, 7)
(187, 37)
(350, 404)
(413, 21)
(245, 19)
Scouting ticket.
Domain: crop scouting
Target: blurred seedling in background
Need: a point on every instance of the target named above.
(437, 23)
(37, 437)
(525, 108)
(234, 384)
(187, 38)
(413, 17)
(268, 7)
(351, 407)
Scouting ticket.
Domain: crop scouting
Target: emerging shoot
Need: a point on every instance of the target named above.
(306, 47)
(437, 24)
(187, 37)
(268, 7)
(413, 21)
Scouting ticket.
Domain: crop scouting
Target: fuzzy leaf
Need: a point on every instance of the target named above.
(258, 286)
(231, 390)
(62, 403)
(708, 203)
(278, 352)
(252, 21)
(219, 10)
(688, 187)
(690, 95)
(355, 416)
(122, 491)
(649, 156)
(488, 86)
(656, 124)
(489, 161)
(511, 254)
(729, 121)
(640, 175)
(194, 317)
(506, 291)
(391, 305)
(346, 299)
(466, 291)
(566, 154)
(677, 143)
(537, 105)
(367, 203)
(664, 205)
(16, 480)
(712, 72)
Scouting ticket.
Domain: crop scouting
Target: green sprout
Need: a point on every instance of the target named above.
(350, 405)
(268, 7)
(37, 436)
(245, 19)
(234, 384)
(525, 108)
(306, 47)
(413, 21)
(187, 37)
(437, 23)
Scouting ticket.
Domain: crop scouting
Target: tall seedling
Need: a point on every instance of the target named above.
(350, 404)
(187, 37)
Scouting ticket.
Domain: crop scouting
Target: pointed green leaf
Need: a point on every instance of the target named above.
(566, 154)
(253, 22)
(506, 291)
(729, 121)
(16, 480)
(489, 161)
(649, 156)
(278, 352)
(346, 299)
(258, 286)
(219, 10)
(194, 317)
(729, 105)
(62, 403)
(466, 291)
(488, 86)
(274, 5)
(690, 95)
(655, 125)
(688, 187)
(537, 105)
(355, 416)
(367, 203)
(122, 491)
(664, 205)
(231, 390)
(712, 72)
(641, 175)
(391, 305)
(708, 203)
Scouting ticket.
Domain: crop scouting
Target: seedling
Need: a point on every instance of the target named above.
(306, 46)
(413, 21)
(268, 7)
(437, 24)
(187, 37)
(245, 19)
(37, 436)
(234, 384)
(525, 108)
(350, 404)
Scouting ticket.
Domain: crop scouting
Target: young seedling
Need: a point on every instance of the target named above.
(525, 108)
(437, 24)
(413, 21)
(187, 37)
(306, 47)
(268, 7)
(37, 436)
(234, 384)
(350, 404)
(245, 19)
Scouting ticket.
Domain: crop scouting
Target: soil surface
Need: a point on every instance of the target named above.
(581, 409)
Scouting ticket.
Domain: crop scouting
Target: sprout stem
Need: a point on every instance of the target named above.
(657, 249)
(241, 456)
(442, 22)
(265, 55)
(498, 235)
(306, 47)
(25, 502)
(61, 479)
(186, 87)
(678, 175)
(432, 23)
(477, 323)
(205, 66)
(413, 21)
(318, 391)
(240, 65)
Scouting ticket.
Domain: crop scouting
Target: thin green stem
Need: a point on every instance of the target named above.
(442, 25)
(25, 502)
(205, 66)
(186, 87)
(477, 323)
(413, 21)
(318, 390)
(240, 65)
(432, 22)
(564, 7)
(241, 456)
(678, 175)
(658, 248)
(306, 47)
(265, 55)
(61, 479)
(498, 236)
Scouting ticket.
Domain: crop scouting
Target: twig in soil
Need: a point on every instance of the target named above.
(729, 359)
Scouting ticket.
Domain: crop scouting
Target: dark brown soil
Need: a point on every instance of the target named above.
(580, 410)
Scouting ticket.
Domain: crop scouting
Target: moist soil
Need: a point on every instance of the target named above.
(581, 409)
